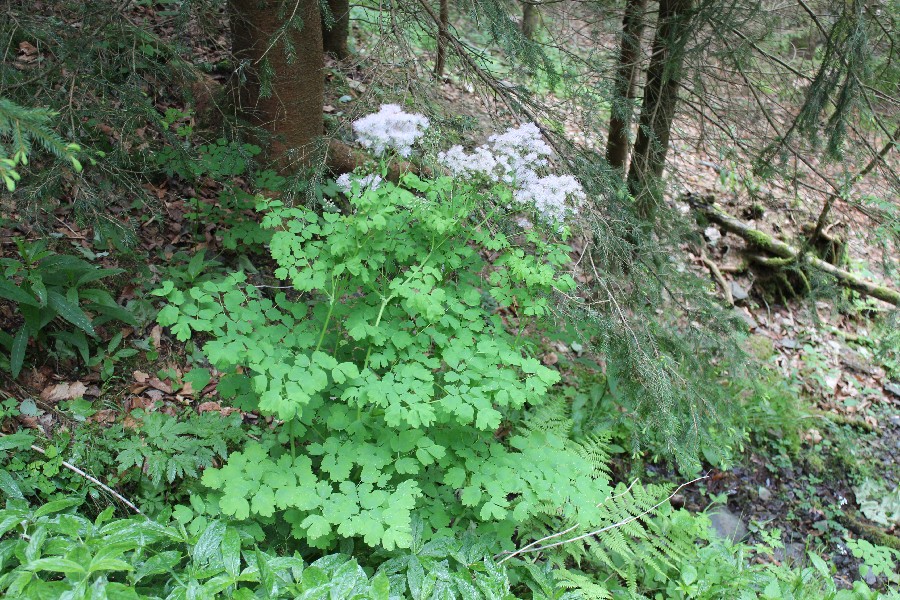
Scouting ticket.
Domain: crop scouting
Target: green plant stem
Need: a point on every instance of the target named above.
(332, 299)
(325, 323)
(522, 324)
(384, 303)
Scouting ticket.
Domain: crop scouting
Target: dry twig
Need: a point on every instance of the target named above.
(93, 480)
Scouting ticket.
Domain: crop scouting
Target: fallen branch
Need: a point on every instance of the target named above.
(788, 254)
(93, 480)
(717, 275)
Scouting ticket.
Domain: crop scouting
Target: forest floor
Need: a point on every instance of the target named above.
(843, 480)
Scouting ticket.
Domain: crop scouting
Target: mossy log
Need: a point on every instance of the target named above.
(788, 254)
(872, 533)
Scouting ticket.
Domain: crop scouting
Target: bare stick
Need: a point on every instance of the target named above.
(717, 275)
(93, 480)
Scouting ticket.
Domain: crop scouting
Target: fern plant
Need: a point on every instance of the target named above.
(623, 538)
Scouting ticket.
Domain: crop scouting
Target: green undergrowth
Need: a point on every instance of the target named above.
(392, 424)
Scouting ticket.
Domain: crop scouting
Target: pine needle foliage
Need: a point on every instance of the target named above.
(23, 128)
(101, 68)
(836, 86)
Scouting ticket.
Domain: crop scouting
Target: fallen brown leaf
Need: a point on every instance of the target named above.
(160, 385)
(142, 403)
(155, 335)
(28, 422)
(63, 391)
(107, 416)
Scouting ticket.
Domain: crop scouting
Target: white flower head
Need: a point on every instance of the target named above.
(555, 197)
(514, 158)
(345, 182)
(390, 128)
(524, 223)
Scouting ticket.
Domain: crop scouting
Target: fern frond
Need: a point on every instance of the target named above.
(595, 449)
(551, 417)
(580, 585)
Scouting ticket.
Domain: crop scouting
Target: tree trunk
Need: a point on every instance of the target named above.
(443, 31)
(282, 94)
(658, 106)
(530, 18)
(336, 30)
(626, 78)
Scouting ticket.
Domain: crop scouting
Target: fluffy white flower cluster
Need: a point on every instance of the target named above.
(390, 128)
(509, 157)
(345, 182)
(514, 157)
(554, 196)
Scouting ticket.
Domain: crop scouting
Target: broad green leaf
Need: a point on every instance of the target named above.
(8, 485)
(380, 587)
(10, 291)
(819, 564)
(19, 440)
(38, 289)
(415, 576)
(314, 577)
(96, 274)
(56, 506)
(156, 564)
(17, 356)
(109, 564)
(70, 312)
(231, 551)
(56, 564)
(106, 312)
(209, 543)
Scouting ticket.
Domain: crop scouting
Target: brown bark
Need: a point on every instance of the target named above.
(443, 29)
(530, 18)
(292, 112)
(658, 106)
(336, 30)
(341, 158)
(617, 143)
